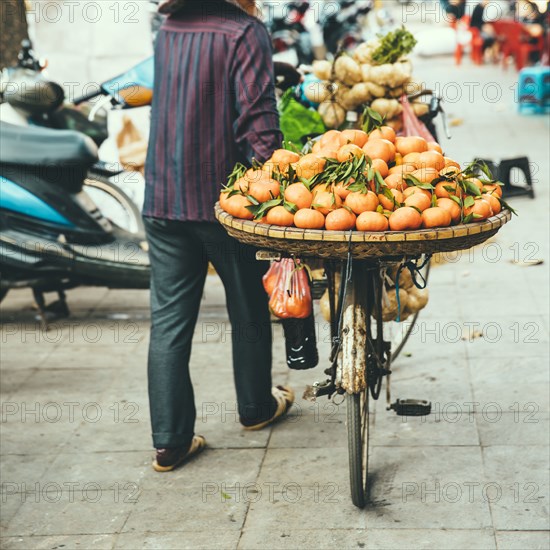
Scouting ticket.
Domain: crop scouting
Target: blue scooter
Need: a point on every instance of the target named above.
(52, 235)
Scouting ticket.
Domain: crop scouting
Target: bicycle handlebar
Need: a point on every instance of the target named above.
(88, 96)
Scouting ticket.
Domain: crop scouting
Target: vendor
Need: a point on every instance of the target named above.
(214, 105)
(486, 30)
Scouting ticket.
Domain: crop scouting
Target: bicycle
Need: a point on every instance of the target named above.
(361, 355)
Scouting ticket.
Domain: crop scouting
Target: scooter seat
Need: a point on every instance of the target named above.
(33, 145)
(61, 157)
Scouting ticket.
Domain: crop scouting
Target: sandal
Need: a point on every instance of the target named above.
(284, 397)
(168, 459)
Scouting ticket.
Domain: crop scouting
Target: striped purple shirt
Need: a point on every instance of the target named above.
(214, 105)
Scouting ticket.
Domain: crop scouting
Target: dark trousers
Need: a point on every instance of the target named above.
(179, 253)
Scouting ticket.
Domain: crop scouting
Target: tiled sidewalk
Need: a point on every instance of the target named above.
(75, 443)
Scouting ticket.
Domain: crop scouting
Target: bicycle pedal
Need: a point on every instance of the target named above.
(411, 407)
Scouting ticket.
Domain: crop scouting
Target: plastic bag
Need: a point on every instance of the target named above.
(291, 296)
(298, 122)
(132, 147)
(412, 126)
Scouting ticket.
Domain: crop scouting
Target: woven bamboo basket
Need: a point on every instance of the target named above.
(318, 243)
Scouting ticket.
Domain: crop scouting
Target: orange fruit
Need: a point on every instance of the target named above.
(236, 206)
(309, 166)
(405, 218)
(332, 139)
(475, 182)
(418, 200)
(362, 202)
(449, 170)
(411, 158)
(307, 218)
(326, 201)
(434, 146)
(264, 190)
(349, 151)
(480, 207)
(384, 132)
(357, 137)
(328, 153)
(379, 149)
(496, 207)
(342, 190)
(340, 219)
(381, 166)
(425, 175)
(442, 193)
(316, 147)
(413, 189)
(241, 185)
(388, 204)
(493, 189)
(405, 168)
(299, 194)
(372, 221)
(451, 162)
(283, 159)
(396, 181)
(452, 207)
(279, 215)
(410, 144)
(431, 159)
(436, 216)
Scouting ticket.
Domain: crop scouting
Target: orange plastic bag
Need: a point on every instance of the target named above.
(291, 296)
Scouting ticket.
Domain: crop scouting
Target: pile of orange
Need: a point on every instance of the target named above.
(364, 182)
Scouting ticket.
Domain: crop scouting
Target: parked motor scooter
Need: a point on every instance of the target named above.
(29, 98)
(342, 28)
(52, 235)
(290, 38)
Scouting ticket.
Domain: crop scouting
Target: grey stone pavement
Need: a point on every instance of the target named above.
(75, 442)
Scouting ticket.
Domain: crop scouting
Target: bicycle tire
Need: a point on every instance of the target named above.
(357, 406)
(135, 222)
(357, 327)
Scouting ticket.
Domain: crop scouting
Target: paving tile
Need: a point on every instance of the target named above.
(514, 428)
(427, 374)
(502, 381)
(108, 433)
(451, 425)
(520, 488)
(11, 379)
(188, 509)
(104, 469)
(213, 539)
(287, 538)
(306, 467)
(324, 507)
(60, 386)
(310, 430)
(34, 435)
(426, 488)
(523, 540)
(62, 511)
(71, 542)
(232, 467)
(428, 539)
(19, 473)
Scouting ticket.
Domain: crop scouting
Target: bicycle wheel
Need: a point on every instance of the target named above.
(354, 357)
(115, 205)
(358, 446)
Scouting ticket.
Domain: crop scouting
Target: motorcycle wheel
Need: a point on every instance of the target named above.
(115, 204)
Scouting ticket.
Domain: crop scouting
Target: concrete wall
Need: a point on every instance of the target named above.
(90, 41)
